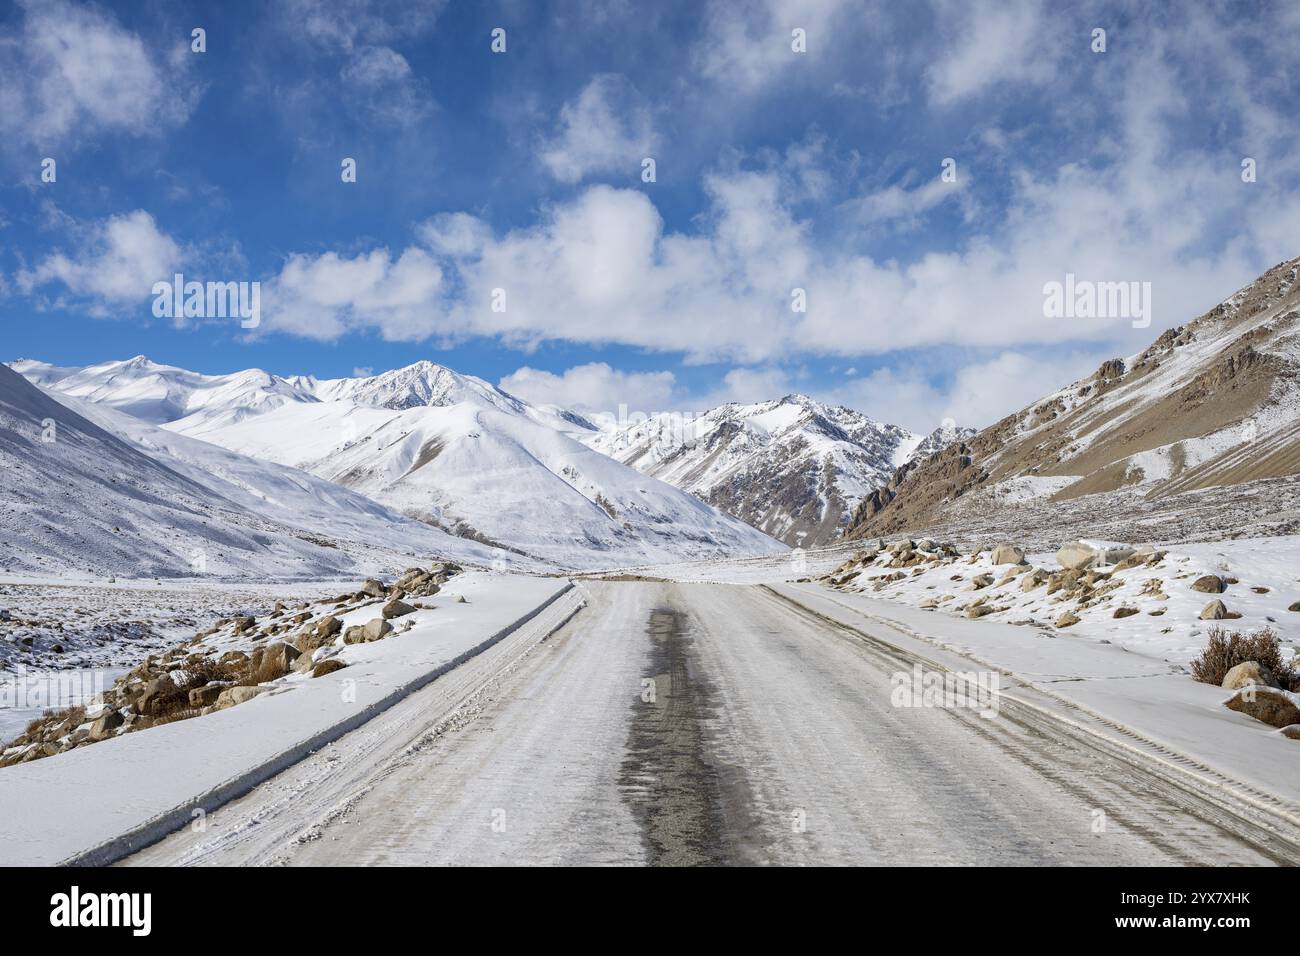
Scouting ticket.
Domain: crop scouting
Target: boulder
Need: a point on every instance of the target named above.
(1267, 704)
(233, 696)
(1216, 610)
(1249, 672)
(242, 624)
(1008, 554)
(1076, 555)
(276, 660)
(1068, 618)
(373, 588)
(106, 724)
(1081, 554)
(207, 695)
(1125, 612)
(1294, 607)
(377, 629)
(356, 634)
(328, 626)
(396, 609)
(1291, 730)
(327, 667)
(979, 610)
(157, 690)
(1033, 579)
(980, 581)
(1209, 584)
(303, 664)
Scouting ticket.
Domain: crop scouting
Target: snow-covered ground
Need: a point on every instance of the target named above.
(93, 796)
(98, 625)
(1167, 626)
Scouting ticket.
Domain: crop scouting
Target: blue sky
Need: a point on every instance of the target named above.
(522, 171)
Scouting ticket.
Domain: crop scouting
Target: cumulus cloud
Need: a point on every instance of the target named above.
(323, 296)
(70, 70)
(606, 128)
(921, 395)
(114, 262)
(595, 389)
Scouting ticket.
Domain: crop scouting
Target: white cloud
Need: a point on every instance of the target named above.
(345, 24)
(70, 70)
(594, 388)
(993, 42)
(606, 128)
(747, 45)
(117, 261)
(379, 86)
(976, 394)
(322, 297)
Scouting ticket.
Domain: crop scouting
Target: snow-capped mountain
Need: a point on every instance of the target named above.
(448, 449)
(795, 468)
(104, 493)
(1213, 403)
(423, 384)
(163, 393)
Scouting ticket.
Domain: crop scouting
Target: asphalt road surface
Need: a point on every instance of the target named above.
(683, 724)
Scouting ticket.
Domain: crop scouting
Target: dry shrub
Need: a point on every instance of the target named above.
(1224, 651)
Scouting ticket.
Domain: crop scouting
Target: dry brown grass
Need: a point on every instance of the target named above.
(1225, 650)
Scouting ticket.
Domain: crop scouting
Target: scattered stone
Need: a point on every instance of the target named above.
(1125, 612)
(328, 626)
(328, 666)
(1249, 672)
(1008, 554)
(106, 724)
(1033, 579)
(397, 609)
(1216, 610)
(1267, 704)
(207, 695)
(1067, 619)
(157, 689)
(277, 660)
(233, 696)
(979, 610)
(377, 629)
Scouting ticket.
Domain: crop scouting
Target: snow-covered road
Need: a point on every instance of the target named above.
(695, 723)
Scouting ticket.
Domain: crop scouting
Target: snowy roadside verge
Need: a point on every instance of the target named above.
(96, 804)
(1137, 695)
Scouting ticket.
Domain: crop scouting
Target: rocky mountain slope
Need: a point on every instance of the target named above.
(1212, 404)
(795, 468)
(447, 449)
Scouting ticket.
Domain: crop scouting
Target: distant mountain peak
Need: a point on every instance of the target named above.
(793, 467)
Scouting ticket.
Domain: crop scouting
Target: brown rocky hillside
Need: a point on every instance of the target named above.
(1213, 403)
